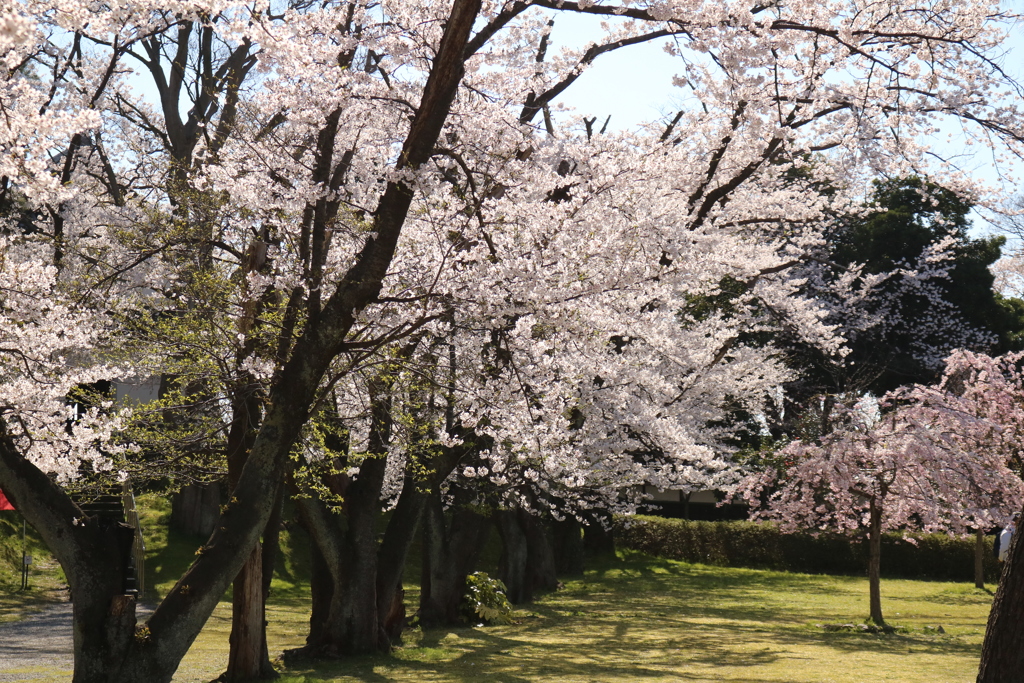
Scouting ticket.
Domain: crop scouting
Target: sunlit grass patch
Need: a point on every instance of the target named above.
(635, 618)
(648, 619)
(46, 580)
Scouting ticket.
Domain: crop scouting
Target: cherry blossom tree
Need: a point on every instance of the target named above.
(362, 173)
(938, 458)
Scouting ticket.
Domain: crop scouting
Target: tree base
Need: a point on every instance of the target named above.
(266, 675)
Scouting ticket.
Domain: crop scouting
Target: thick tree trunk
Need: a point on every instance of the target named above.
(513, 561)
(103, 633)
(440, 591)
(450, 552)
(107, 648)
(368, 608)
(353, 626)
(195, 509)
(568, 545)
(875, 563)
(357, 586)
(104, 618)
(350, 623)
(391, 558)
(247, 653)
(527, 563)
(979, 558)
(540, 555)
(1002, 653)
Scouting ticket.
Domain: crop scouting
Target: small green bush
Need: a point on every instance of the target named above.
(486, 600)
(758, 545)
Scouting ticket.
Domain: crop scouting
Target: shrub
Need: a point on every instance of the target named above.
(758, 545)
(485, 599)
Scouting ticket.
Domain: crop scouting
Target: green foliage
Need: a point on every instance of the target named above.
(763, 546)
(905, 217)
(10, 546)
(485, 600)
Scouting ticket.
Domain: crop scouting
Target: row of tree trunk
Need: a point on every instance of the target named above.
(356, 571)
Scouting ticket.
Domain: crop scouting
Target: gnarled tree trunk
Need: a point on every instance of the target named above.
(358, 606)
(451, 549)
(527, 562)
(1002, 653)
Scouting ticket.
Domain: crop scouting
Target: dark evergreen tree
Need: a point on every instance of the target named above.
(913, 307)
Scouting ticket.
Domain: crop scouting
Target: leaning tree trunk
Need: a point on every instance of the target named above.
(1002, 654)
(391, 558)
(108, 649)
(875, 563)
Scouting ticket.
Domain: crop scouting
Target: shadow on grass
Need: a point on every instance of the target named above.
(977, 596)
(665, 621)
(641, 618)
(479, 655)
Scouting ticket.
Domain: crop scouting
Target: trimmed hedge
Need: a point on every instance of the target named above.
(759, 545)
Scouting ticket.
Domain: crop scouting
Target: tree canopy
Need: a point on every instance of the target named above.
(355, 241)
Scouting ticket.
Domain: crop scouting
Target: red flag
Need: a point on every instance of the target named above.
(4, 503)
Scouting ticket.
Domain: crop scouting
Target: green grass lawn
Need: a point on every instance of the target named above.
(636, 618)
(647, 619)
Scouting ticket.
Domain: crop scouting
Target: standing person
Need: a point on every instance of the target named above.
(1005, 535)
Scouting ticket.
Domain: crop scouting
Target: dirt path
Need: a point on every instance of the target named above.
(37, 648)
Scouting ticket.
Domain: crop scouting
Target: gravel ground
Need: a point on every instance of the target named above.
(37, 648)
